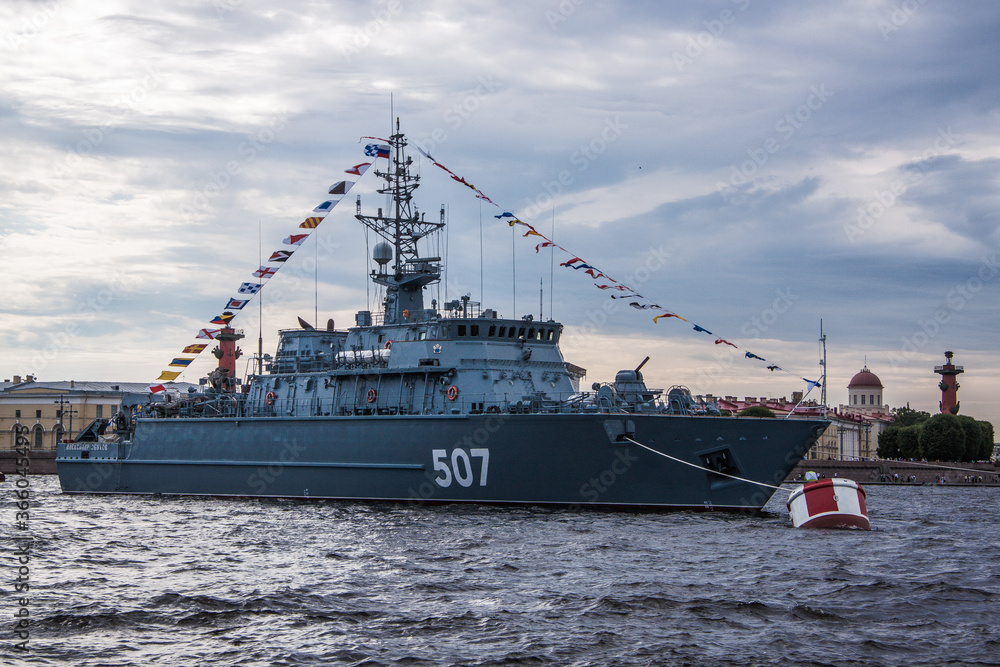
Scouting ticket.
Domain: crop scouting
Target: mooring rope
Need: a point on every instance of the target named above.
(715, 472)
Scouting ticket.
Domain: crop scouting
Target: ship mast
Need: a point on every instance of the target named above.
(409, 273)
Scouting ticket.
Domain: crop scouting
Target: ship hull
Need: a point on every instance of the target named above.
(543, 459)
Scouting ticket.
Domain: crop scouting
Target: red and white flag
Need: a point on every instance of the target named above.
(264, 272)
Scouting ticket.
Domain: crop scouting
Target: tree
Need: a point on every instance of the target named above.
(909, 442)
(973, 437)
(942, 438)
(888, 443)
(756, 411)
(907, 417)
(986, 436)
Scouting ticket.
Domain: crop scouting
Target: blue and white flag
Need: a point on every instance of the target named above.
(249, 288)
(377, 150)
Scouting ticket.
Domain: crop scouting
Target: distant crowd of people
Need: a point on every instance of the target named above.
(896, 478)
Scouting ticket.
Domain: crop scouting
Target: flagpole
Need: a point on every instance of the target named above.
(316, 282)
(552, 260)
(481, 295)
(513, 270)
(260, 308)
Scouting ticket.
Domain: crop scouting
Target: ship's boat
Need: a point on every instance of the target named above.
(438, 402)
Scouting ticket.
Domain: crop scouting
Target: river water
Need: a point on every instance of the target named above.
(131, 580)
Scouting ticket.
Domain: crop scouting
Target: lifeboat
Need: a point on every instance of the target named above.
(829, 503)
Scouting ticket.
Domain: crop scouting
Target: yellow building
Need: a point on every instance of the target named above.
(53, 411)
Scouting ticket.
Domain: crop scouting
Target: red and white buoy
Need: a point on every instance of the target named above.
(829, 503)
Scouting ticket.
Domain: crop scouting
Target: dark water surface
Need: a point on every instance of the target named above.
(134, 580)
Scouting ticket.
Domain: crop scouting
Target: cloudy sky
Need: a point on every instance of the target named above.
(753, 166)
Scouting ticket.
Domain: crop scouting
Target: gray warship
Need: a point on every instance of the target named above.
(418, 404)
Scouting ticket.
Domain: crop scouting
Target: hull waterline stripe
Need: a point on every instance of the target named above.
(442, 501)
(290, 464)
(714, 472)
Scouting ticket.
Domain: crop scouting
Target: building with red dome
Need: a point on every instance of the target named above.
(864, 393)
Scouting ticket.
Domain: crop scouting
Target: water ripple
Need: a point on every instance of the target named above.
(167, 581)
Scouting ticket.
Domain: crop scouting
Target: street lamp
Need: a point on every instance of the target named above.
(62, 402)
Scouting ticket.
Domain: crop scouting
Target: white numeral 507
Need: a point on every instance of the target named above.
(461, 466)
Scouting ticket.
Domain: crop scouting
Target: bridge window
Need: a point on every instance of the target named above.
(552, 334)
(461, 329)
(520, 332)
(511, 332)
(493, 331)
(474, 330)
(503, 332)
(531, 334)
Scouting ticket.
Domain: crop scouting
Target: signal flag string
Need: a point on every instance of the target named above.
(247, 290)
(618, 289)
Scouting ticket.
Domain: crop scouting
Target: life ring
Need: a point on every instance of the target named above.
(493, 409)
(372, 395)
(452, 393)
(270, 398)
(388, 344)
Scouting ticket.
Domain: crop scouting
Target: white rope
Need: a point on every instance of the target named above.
(715, 472)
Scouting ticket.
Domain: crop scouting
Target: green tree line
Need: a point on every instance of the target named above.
(943, 437)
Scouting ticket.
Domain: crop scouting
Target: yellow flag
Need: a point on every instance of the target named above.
(169, 375)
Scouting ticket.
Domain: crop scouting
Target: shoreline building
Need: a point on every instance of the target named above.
(855, 427)
(54, 411)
